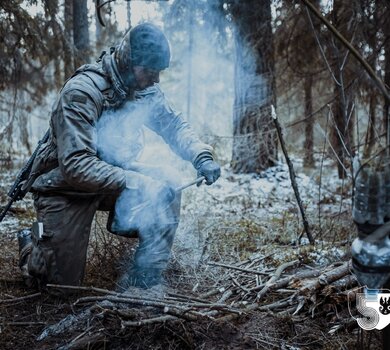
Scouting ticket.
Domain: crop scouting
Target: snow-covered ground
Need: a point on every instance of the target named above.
(261, 208)
(267, 201)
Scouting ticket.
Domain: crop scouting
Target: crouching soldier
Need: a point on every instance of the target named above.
(71, 179)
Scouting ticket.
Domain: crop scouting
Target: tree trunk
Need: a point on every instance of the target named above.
(80, 32)
(308, 160)
(370, 135)
(51, 11)
(386, 32)
(68, 39)
(342, 133)
(128, 11)
(23, 128)
(189, 68)
(310, 56)
(372, 41)
(255, 139)
(337, 132)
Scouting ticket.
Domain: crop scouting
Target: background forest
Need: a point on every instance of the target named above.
(284, 102)
(258, 54)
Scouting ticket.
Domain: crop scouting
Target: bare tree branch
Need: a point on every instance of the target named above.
(292, 177)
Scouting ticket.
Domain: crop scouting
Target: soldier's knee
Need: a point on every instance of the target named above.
(25, 249)
(37, 265)
(36, 257)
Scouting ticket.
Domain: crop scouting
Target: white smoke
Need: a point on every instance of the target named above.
(150, 210)
(121, 139)
(120, 134)
(200, 81)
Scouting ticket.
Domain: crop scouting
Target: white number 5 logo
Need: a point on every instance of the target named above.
(371, 315)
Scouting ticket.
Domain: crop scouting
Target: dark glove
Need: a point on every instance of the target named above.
(206, 167)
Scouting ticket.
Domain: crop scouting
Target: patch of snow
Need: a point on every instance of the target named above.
(257, 198)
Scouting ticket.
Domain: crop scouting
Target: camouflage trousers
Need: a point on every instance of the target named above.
(59, 252)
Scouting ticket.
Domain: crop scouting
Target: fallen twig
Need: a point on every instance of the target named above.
(24, 324)
(15, 300)
(273, 279)
(176, 296)
(225, 296)
(159, 319)
(83, 288)
(238, 268)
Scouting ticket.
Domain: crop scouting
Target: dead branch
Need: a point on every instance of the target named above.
(148, 321)
(123, 300)
(342, 284)
(186, 311)
(273, 279)
(187, 315)
(238, 268)
(15, 300)
(309, 287)
(225, 296)
(292, 176)
(284, 282)
(213, 292)
(69, 323)
(345, 296)
(281, 304)
(82, 288)
(24, 324)
(185, 297)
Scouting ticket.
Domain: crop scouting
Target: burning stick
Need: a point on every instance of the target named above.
(147, 203)
(132, 220)
(196, 181)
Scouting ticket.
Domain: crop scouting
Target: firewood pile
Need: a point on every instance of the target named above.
(290, 290)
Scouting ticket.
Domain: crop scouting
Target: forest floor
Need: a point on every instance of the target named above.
(242, 275)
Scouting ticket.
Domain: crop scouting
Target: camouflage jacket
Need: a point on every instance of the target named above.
(69, 160)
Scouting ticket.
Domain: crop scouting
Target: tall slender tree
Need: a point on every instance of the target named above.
(370, 13)
(386, 46)
(80, 32)
(68, 39)
(254, 139)
(344, 18)
(311, 59)
(308, 160)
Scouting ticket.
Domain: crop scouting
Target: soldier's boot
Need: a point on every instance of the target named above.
(142, 278)
(143, 283)
(152, 255)
(25, 248)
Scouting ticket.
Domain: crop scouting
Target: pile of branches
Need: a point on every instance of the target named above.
(300, 291)
(242, 290)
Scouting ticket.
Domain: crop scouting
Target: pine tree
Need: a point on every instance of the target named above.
(254, 139)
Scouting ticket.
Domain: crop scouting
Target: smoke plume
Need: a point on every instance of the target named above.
(120, 138)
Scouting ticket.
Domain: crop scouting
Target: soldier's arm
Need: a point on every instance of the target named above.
(77, 147)
(176, 132)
